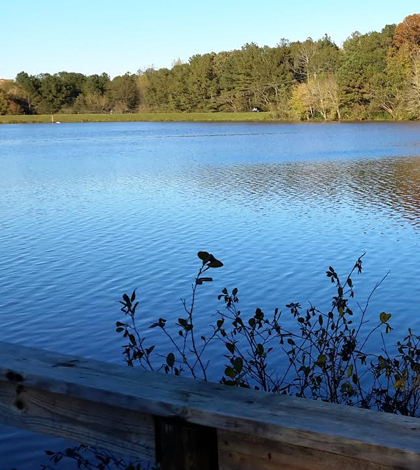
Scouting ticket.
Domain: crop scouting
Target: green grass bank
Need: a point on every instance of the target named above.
(140, 117)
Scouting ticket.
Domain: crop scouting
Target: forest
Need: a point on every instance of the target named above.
(371, 76)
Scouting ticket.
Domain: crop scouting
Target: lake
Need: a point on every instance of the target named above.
(90, 211)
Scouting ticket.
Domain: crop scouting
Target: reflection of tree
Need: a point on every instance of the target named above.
(388, 186)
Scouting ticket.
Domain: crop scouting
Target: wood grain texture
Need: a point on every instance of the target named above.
(239, 452)
(124, 431)
(369, 436)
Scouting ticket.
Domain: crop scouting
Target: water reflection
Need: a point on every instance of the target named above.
(389, 186)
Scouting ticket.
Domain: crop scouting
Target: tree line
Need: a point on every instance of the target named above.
(372, 76)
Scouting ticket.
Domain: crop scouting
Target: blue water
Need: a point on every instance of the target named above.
(89, 211)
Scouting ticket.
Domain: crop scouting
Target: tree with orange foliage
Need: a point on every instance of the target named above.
(407, 33)
(403, 68)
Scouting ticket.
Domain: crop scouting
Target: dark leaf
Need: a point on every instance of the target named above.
(230, 372)
(238, 364)
(170, 359)
(230, 347)
(215, 263)
(203, 255)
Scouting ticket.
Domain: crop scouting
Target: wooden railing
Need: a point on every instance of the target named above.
(187, 424)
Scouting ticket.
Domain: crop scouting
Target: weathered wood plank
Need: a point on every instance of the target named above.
(365, 435)
(239, 452)
(124, 431)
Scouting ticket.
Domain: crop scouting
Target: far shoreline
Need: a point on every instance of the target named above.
(220, 117)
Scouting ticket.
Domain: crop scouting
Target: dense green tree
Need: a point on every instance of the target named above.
(256, 76)
(179, 97)
(124, 93)
(203, 82)
(362, 71)
(55, 93)
(231, 92)
(93, 96)
(96, 84)
(274, 76)
(48, 93)
(157, 91)
(29, 86)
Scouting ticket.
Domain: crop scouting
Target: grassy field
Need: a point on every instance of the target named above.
(141, 117)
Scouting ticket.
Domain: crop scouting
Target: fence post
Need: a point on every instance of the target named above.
(185, 446)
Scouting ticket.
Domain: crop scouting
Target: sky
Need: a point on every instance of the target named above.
(119, 36)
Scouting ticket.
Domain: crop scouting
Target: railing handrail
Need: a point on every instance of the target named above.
(94, 402)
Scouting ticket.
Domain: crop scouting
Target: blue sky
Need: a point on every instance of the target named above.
(92, 36)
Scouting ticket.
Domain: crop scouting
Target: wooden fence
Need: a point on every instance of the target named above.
(187, 424)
